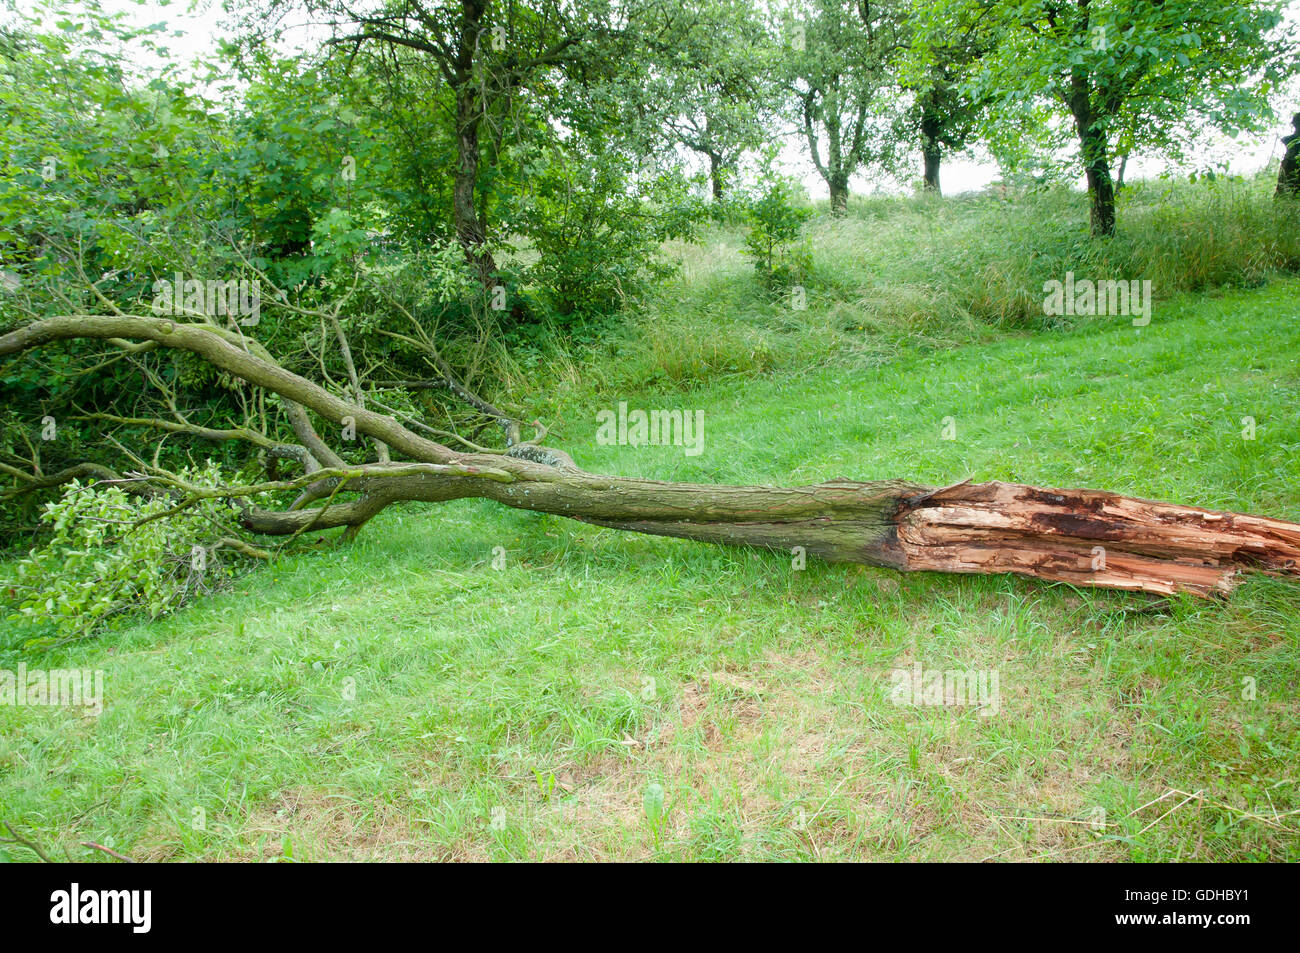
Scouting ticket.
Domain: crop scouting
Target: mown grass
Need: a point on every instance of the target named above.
(402, 698)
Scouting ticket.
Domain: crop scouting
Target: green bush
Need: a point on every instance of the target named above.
(775, 225)
(597, 231)
(101, 561)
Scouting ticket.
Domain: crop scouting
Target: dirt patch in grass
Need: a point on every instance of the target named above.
(318, 825)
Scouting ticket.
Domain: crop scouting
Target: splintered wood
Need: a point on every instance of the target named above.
(1091, 538)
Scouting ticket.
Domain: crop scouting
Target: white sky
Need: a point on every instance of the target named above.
(197, 25)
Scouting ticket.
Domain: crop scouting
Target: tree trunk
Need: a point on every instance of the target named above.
(1084, 537)
(1288, 175)
(1101, 192)
(839, 188)
(835, 173)
(931, 150)
(1093, 149)
(470, 229)
(715, 176)
(932, 156)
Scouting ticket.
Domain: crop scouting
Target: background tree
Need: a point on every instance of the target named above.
(486, 109)
(845, 98)
(720, 88)
(491, 56)
(938, 67)
(1157, 69)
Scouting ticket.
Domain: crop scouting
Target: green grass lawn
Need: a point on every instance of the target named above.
(402, 698)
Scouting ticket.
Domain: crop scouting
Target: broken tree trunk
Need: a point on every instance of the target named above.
(1084, 537)
(1092, 538)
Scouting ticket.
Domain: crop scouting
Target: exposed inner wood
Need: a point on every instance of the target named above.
(1091, 538)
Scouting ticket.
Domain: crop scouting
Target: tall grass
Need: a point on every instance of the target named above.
(897, 273)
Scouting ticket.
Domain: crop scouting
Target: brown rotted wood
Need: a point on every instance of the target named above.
(1091, 538)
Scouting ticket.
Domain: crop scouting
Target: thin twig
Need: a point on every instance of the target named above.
(16, 838)
(108, 850)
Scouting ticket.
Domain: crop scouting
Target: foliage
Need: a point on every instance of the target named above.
(597, 229)
(775, 223)
(111, 553)
(1120, 76)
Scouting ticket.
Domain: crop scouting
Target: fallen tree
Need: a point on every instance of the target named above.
(1084, 537)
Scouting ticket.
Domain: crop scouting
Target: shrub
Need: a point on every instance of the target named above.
(597, 231)
(775, 224)
(101, 561)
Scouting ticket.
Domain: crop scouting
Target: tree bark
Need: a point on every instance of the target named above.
(839, 189)
(1288, 174)
(470, 228)
(1084, 537)
(715, 176)
(931, 150)
(1093, 148)
(1101, 192)
(932, 157)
